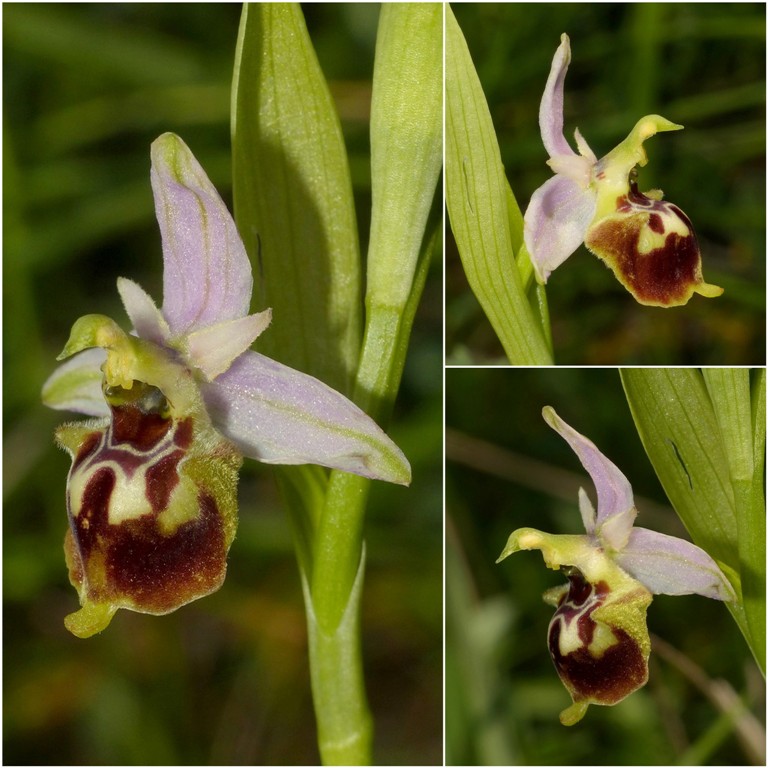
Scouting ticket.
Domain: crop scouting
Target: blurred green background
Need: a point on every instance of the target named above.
(223, 680)
(506, 469)
(699, 64)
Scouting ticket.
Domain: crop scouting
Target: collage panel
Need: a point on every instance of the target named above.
(625, 483)
(564, 123)
(225, 220)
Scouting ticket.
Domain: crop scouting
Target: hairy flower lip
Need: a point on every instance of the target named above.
(599, 663)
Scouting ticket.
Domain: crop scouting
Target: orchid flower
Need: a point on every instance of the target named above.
(648, 243)
(152, 491)
(598, 638)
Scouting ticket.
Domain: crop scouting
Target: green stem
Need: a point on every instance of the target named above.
(278, 94)
(405, 160)
(338, 688)
(326, 517)
(339, 539)
(338, 548)
(344, 721)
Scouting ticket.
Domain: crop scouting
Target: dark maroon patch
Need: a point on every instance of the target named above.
(183, 435)
(636, 199)
(579, 591)
(140, 430)
(93, 510)
(619, 671)
(571, 606)
(656, 223)
(159, 573)
(663, 275)
(162, 477)
(87, 447)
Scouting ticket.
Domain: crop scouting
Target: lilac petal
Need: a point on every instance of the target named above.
(615, 531)
(551, 108)
(76, 385)
(207, 276)
(281, 416)
(147, 319)
(556, 221)
(614, 493)
(213, 349)
(671, 566)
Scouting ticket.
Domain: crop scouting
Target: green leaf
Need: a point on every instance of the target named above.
(293, 196)
(679, 431)
(406, 154)
(742, 425)
(728, 390)
(406, 144)
(753, 549)
(677, 426)
(743, 437)
(482, 217)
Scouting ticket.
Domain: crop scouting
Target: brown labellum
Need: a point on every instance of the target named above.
(598, 660)
(651, 247)
(151, 507)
